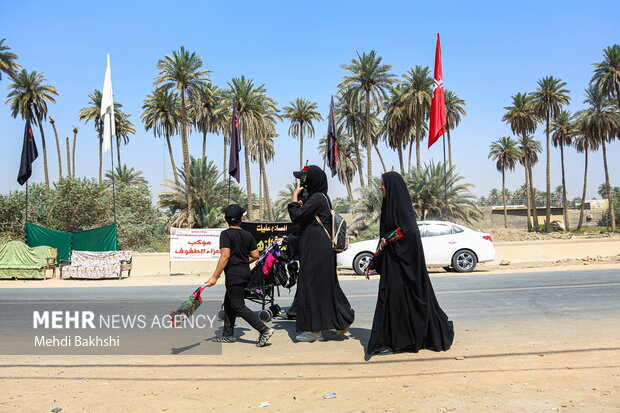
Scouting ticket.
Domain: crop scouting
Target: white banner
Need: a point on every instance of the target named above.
(199, 244)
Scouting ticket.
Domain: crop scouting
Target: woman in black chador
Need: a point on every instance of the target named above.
(407, 316)
(321, 304)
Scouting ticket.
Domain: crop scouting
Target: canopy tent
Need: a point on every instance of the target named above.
(96, 239)
(20, 261)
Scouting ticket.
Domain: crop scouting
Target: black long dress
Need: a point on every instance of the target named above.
(407, 315)
(321, 303)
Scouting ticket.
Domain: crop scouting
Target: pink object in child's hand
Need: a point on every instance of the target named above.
(270, 261)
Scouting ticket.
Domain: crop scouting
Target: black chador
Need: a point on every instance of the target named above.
(407, 316)
(321, 304)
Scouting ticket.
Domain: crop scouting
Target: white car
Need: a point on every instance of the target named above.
(445, 244)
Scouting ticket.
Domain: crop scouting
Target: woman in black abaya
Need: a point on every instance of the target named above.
(407, 316)
(321, 304)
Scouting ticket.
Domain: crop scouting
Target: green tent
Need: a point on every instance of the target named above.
(96, 239)
(20, 261)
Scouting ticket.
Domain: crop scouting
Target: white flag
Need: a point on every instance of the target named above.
(107, 109)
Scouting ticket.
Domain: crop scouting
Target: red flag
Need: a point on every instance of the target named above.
(438, 105)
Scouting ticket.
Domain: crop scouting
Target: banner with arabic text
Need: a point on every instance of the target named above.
(197, 244)
(266, 232)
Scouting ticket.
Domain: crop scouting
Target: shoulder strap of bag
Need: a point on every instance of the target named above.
(331, 211)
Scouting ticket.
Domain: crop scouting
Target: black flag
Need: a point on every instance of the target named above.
(332, 142)
(29, 154)
(235, 144)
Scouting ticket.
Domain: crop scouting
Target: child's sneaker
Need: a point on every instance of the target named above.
(225, 339)
(265, 335)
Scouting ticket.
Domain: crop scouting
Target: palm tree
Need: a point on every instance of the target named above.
(369, 81)
(505, 152)
(68, 158)
(530, 148)
(301, 113)
(584, 143)
(182, 72)
(221, 122)
(601, 122)
(28, 97)
(263, 151)
(563, 133)
(521, 117)
(7, 61)
(257, 114)
(607, 73)
(125, 176)
(426, 188)
(347, 162)
(53, 123)
(93, 112)
(208, 193)
(418, 95)
(396, 124)
(349, 115)
(454, 110)
(124, 127)
(207, 102)
(548, 101)
(367, 209)
(284, 198)
(161, 114)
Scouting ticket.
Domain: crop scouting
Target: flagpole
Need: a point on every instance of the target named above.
(26, 201)
(445, 179)
(112, 163)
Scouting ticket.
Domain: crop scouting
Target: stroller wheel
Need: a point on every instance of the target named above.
(220, 315)
(265, 315)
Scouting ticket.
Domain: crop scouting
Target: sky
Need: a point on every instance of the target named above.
(491, 50)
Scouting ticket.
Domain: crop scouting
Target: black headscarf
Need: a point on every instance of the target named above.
(397, 209)
(316, 181)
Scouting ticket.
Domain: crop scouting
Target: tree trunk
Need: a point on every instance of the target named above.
(400, 159)
(527, 196)
(68, 158)
(418, 159)
(548, 210)
(172, 163)
(449, 148)
(380, 158)
(224, 167)
(504, 198)
(610, 199)
(583, 197)
(534, 205)
(75, 132)
(358, 154)
(261, 200)
(45, 170)
(186, 162)
(57, 147)
(347, 184)
(564, 202)
(301, 149)
(266, 190)
(367, 137)
(204, 146)
(410, 149)
(248, 180)
(100, 158)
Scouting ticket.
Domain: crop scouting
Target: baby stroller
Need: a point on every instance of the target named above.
(273, 269)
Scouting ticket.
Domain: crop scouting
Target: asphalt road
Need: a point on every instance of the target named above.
(555, 302)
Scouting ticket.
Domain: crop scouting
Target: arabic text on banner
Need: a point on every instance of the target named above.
(197, 244)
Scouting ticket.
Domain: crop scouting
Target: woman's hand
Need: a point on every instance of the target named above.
(368, 273)
(211, 281)
(296, 193)
(383, 242)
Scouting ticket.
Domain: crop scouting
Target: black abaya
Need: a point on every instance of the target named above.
(407, 315)
(321, 303)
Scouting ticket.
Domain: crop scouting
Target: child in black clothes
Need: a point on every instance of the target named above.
(238, 251)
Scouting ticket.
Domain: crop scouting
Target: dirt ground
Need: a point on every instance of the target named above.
(513, 234)
(495, 369)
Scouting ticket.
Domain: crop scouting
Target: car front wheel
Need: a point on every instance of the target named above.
(464, 261)
(361, 262)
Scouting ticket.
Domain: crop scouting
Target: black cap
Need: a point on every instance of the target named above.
(298, 174)
(234, 211)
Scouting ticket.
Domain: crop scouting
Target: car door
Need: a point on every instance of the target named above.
(439, 243)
